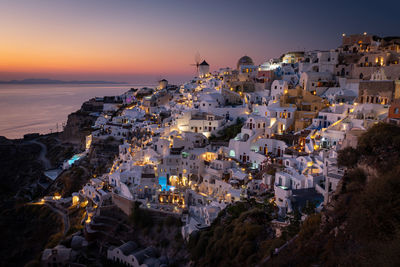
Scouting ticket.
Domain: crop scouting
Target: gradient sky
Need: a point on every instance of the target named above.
(142, 41)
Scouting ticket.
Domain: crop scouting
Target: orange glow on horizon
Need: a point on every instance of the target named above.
(62, 59)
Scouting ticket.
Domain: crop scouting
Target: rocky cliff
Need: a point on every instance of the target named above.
(80, 123)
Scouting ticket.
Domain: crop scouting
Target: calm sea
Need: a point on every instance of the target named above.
(39, 108)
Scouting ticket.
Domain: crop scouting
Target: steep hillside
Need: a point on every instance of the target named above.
(241, 236)
(20, 169)
(362, 225)
(26, 231)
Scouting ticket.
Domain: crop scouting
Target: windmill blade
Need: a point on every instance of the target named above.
(197, 58)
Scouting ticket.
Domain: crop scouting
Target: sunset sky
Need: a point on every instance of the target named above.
(141, 41)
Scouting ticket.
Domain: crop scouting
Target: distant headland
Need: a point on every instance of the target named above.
(50, 81)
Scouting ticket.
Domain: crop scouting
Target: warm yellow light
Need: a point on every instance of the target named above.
(75, 200)
(84, 204)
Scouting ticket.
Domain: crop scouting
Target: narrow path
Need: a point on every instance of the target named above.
(42, 155)
(275, 253)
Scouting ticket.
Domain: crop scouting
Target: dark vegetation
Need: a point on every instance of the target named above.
(98, 161)
(71, 181)
(57, 152)
(161, 231)
(241, 236)
(229, 132)
(75, 220)
(27, 229)
(19, 168)
(362, 226)
(141, 218)
(379, 148)
(102, 154)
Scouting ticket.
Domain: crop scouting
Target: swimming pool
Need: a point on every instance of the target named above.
(162, 180)
(74, 158)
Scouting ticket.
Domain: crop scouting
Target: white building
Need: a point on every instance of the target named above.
(300, 173)
(94, 191)
(311, 81)
(130, 254)
(200, 122)
(204, 69)
(278, 88)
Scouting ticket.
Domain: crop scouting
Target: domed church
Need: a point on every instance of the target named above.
(244, 61)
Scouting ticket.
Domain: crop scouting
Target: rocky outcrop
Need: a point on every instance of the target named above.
(78, 127)
(80, 123)
(102, 153)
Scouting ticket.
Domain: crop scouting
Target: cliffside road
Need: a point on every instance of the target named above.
(42, 155)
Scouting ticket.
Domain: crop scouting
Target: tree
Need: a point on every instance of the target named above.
(348, 157)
